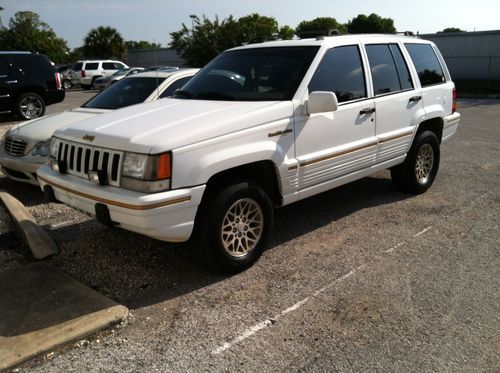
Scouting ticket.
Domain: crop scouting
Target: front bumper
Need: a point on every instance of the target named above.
(166, 216)
(21, 168)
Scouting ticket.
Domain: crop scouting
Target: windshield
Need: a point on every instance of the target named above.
(121, 72)
(258, 74)
(125, 92)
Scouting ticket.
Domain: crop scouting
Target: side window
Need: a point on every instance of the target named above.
(403, 72)
(118, 65)
(174, 87)
(91, 65)
(427, 64)
(4, 68)
(384, 73)
(340, 71)
(109, 66)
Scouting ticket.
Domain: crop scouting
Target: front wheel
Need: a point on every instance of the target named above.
(235, 226)
(30, 106)
(419, 170)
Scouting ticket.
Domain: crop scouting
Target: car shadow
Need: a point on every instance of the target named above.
(138, 271)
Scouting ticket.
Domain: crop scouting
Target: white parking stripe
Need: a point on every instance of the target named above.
(257, 327)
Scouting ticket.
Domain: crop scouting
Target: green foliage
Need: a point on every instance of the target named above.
(450, 29)
(27, 32)
(320, 26)
(286, 33)
(104, 42)
(142, 44)
(206, 39)
(371, 24)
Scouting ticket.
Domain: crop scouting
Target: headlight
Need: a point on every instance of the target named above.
(53, 148)
(147, 173)
(41, 148)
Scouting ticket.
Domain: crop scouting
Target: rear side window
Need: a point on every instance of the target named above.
(389, 71)
(30, 64)
(340, 71)
(4, 68)
(92, 66)
(427, 64)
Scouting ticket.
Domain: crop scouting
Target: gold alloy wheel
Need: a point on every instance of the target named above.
(242, 227)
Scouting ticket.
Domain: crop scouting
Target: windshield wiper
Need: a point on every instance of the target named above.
(216, 96)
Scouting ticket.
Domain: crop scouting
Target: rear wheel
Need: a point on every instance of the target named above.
(235, 226)
(419, 170)
(30, 105)
(67, 84)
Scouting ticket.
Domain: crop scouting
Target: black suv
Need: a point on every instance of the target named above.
(28, 82)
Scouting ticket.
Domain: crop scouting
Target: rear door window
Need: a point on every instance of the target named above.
(427, 64)
(91, 66)
(389, 71)
(341, 71)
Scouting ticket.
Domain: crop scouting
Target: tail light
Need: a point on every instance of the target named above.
(83, 73)
(58, 81)
(454, 102)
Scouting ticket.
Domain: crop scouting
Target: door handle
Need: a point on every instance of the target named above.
(415, 99)
(11, 82)
(367, 111)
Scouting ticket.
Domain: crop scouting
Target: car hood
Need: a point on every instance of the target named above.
(41, 129)
(168, 124)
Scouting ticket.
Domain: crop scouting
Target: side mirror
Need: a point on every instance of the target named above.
(322, 102)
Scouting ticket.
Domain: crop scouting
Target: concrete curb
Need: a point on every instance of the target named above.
(43, 309)
(39, 242)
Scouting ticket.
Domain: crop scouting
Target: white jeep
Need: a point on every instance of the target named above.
(261, 126)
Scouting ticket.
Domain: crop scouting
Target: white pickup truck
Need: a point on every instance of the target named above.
(261, 126)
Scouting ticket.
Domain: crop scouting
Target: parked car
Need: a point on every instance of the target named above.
(24, 147)
(161, 68)
(104, 82)
(261, 126)
(84, 73)
(28, 83)
(65, 72)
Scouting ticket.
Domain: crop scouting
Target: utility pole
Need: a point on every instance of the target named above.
(1, 24)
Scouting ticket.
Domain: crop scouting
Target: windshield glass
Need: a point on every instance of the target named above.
(258, 74)
(125, 92)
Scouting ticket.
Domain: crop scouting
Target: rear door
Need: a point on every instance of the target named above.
(7, 82)
(398, 103)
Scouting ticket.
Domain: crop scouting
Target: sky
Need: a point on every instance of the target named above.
(154, 20)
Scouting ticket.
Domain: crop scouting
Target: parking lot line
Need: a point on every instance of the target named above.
(269, 322)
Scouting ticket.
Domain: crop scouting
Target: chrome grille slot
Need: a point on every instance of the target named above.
(79, 159)
(14, 146)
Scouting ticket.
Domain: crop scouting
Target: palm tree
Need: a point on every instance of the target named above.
(104, 42)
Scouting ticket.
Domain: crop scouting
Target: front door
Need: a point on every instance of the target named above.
(5, 83)
(331, 146)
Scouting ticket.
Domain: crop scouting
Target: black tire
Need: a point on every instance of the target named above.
(232, 242)
(67, 84)
(30, 105)
(86, 87)
(419, 170)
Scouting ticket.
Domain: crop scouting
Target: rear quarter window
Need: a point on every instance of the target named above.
(429, 69)
(30, 64)
(77, 66)
(110, 66)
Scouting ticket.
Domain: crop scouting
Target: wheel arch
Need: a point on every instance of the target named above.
(434, 125)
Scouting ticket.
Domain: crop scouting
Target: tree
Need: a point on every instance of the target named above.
(256, 28)
(371, 24)
(142, 44)
(27, 32)
(286, 33)
(104, 42)
(450, 29)
(320, 26)
(206, 39)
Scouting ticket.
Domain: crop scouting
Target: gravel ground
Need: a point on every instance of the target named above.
(359, 278)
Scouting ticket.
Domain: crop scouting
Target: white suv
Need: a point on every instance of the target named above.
(261, 126)
(84, 73)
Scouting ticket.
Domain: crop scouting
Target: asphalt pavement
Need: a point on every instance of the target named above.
(361, 278)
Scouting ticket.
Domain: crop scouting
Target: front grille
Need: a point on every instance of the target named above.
(14, 147)
(78, 159)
